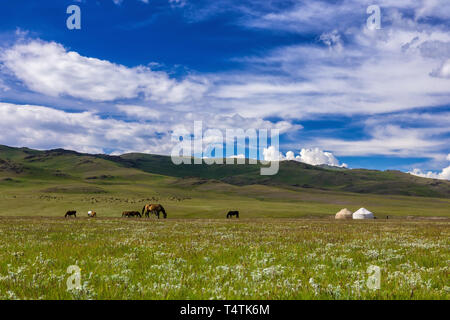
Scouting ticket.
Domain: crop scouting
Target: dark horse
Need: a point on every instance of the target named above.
(155, 209)
(131, 214)
(70, 213)
(232, 213)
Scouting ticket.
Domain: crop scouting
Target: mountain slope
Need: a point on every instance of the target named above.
(293, 174)
(69, 165)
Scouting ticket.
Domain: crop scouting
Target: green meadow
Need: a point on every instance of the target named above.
(286, 245)
(223, 259)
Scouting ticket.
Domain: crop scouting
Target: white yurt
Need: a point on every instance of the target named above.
(362, 213)
(344, 214)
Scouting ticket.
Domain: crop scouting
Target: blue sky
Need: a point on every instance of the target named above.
(139, 70)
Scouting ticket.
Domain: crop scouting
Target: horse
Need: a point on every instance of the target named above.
(92, 214)
(131, 214)
(233, 213)
(155, 209)
(70, 213)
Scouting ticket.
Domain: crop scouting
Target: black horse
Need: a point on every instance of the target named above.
(70, 213)
(233, 213)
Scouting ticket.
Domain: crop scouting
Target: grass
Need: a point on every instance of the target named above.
(208, 202)
(286, 246)
(220, 259)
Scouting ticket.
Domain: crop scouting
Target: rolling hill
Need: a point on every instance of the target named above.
(292, 175)
(65, 164)
(50, 182)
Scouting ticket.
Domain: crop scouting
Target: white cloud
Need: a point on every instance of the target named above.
(48, 68)
(312, 156)
(392, 140)
(304, 16)
(443, 71)
(315, 156)
(139, 112)
(290, 155)
(366, 72)
(272, 154)
(145, 131)
(44, 128)
(332, 40)
(443, 175)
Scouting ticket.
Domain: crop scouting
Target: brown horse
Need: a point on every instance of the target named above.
(70, 213)
(155, 209)
(131, 214)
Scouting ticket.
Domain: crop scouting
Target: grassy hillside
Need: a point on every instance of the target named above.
(48, 183)
(293, 174)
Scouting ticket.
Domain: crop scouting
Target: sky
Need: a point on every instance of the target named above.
(140, 71)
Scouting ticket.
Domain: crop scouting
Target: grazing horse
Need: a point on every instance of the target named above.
(233, 213)
(92, 214)
(70, 213)
(155, 209)
(131, 214)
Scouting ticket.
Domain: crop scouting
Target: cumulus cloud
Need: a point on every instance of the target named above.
(315, 156)
(443, 175)
(272, 154)
(45, 128)
(50, 69)
(146, 130)
(312, 156)
(290, 156)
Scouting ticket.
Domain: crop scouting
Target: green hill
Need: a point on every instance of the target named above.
(293, 174)
(50, 182)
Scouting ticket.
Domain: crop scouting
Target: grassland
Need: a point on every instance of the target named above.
(48, 183)
(286, 246)
(220, 259)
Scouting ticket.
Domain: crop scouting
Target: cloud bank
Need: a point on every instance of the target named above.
(50, 69)
(312, 156)
(443, 175)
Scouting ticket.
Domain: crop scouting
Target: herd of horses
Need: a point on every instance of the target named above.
(148, 209)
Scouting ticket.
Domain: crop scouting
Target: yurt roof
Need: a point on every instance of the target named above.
(362, 212)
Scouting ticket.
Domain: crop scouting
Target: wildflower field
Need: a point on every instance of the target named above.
(223, 259)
